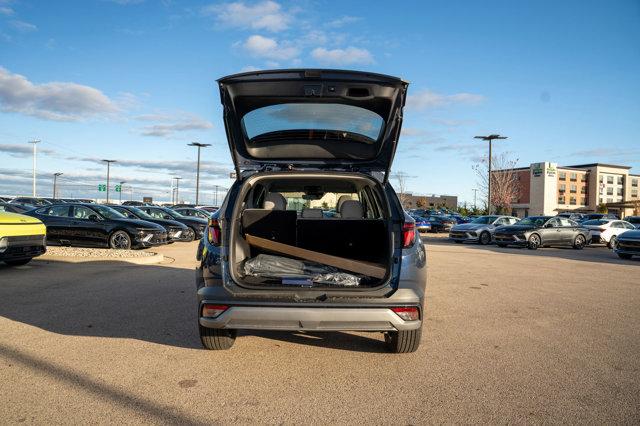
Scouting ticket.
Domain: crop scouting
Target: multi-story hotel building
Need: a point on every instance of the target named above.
(548, 189)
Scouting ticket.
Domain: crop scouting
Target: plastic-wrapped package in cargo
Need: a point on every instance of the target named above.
(297, 271)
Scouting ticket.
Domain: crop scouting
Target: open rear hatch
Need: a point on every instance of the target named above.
(312, 119)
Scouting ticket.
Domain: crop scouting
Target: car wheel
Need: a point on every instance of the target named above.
(485, 238)
(534, 242)
(18, 262)
(613, 242)
(215, 339)
(579, 242)
(501, 245)
(404, 341)
(120, 240)
(191, 235)
(624, 256)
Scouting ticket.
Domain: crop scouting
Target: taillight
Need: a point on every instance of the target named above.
(602, 229)
(408, 234)
(215, 232)
(212, 311)
(407, 313)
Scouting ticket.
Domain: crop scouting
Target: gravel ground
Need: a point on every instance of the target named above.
(95, 253)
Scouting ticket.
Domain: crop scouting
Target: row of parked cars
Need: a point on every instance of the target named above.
(435, 220)
(26, 229)
(623, 236)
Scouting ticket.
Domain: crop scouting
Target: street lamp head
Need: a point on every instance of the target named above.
(109, 161)
(58, 174)
(201, 145)
(490, 137)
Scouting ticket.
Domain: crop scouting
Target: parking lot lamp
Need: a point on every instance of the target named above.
(120, 192)
(34, 142)
(55, 179)
(177, 190)
(199, 145)
(108, 169)
(475, 194)
(489, 138)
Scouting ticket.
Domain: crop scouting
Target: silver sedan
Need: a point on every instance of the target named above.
(480, 230)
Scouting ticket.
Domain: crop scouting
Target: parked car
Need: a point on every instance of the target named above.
(593, 216)
(576, 217)
(628, 244)
(607, 231)
(480, 230)
(459, 219)
(176, 231)
(288, 128)
(94, 225)
(5, 199)
(634, 220)
(21, 238)
(542, 231)
(32, 201)
(193, 212)
(134, 203)
(15, 208)
(422, 224)
(196, 224)
(210, 209)
(440, 223)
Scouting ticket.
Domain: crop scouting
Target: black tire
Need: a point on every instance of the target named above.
(579, 242)
(120, 240)
(485, 238)
(191, 236)
(18, 262)
(403, 342)
(613, 242)
(215, 339)
(534, 242)
(501, 245)
(624, 256)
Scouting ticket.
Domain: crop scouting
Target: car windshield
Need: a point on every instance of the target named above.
(140, 213)
(350, 122)
(108, 212)
(596, 222)
(172, 213)
(533, 221)
(484, 219)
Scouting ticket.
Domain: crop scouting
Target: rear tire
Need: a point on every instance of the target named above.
(191, 236)
(534, 242)
(613, 242)
(18, 262)
(120, 240)
(215, 339)
(485, 238)
(403, 342)
(579, 242)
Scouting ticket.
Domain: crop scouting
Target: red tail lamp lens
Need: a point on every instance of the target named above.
(408, 234)
(407, 314)
(213, 311)
(214, 232)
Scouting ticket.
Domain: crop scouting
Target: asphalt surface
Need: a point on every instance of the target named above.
(511, 336)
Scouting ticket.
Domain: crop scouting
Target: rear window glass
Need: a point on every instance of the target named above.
(350, 120)
(596, 222)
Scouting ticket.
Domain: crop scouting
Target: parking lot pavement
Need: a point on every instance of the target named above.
(510, 336)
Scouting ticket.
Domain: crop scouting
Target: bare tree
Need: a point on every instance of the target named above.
(505, 187)
(401, 177)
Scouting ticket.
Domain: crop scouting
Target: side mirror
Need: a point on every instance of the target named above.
(93, 218)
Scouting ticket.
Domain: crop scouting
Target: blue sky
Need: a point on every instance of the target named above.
(135, 81)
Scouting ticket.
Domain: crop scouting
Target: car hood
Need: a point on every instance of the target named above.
(7, 218)
(629, 235)
(139, 223)
(301, 144)
(468, 226)
(166, 222)
(192, 220)
(515, 228)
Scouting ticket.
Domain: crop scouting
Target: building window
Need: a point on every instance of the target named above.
(562, 175)
(583, 190)
(601, 179)
(610, 180)
(583, 177)
(574, 189)
(572, 201)
(573, 177)
(561, 199)
(619, 191)
(634, 182)
(583, 201)
(609, 200)
(620, 180)
(634, 193)
(609, 191)
(562, 188)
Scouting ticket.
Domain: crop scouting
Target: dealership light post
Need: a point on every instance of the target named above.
(55, 179)
(177, 191)
(475, 193)
(199, 145)
(108, 169)
(34, 142)
(489, 138)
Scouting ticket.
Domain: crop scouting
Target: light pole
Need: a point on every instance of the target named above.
(55, 178)
(177, 200)
(199, 145)
(34, 142)
(121, 183)
(215, 203)
(108, 169)
(475, 193)
(489, 138)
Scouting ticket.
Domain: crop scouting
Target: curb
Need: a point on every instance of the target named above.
(147, 260)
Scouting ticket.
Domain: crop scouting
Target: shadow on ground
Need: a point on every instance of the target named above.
(153, 303)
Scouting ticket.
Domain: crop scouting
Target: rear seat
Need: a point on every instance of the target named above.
(272, 222)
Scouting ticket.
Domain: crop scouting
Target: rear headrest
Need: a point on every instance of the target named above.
(274, 201)
(351, 209)
(312, 213)
(341, 200)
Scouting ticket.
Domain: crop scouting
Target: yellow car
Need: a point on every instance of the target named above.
(21, 238)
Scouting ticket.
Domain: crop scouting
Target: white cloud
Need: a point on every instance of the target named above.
(249, 68)
(7, 11)
(265, 15)
(348, 56)
(168, 124)
(57, 101)
(428, 99)
(22, 150)
(22, 26)
(269, 48)
(343, 20)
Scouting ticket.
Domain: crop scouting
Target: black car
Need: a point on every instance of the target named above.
(628, 244)
(196, 224)
(32, 201)
(15, 208)
(193, 212)
(176, 231)
(92, 225)
(541, 231)
(634, 220)
(594, 216)
(440, 223)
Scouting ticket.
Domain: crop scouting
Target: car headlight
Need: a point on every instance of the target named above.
(4, 243)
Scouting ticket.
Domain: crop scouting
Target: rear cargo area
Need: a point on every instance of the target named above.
(311, 231)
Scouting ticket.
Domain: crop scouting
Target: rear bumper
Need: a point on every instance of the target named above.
(313, 318)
